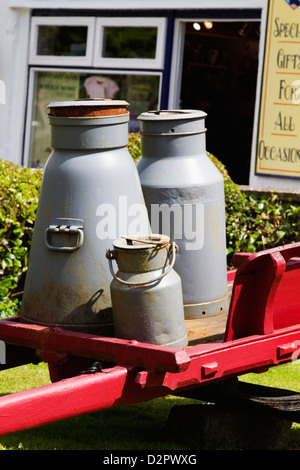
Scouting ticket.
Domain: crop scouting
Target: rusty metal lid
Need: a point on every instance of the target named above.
(142, 243)
(88, 108)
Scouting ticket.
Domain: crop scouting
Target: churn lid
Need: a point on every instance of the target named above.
(172, 114)
(141, 243)
(172, 122)
(88, 108)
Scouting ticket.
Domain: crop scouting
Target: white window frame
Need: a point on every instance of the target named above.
(34, 70)
(36, 59)
(156, 63)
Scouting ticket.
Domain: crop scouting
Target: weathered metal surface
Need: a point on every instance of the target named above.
(89, 171)
(146, 292)
(184, 194)
(88, 108)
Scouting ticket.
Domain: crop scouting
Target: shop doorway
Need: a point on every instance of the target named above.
(219, 75)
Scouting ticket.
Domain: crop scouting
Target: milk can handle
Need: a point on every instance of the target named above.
(53, 229)
(109, 257)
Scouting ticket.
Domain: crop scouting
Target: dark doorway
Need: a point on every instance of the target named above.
(219, 77)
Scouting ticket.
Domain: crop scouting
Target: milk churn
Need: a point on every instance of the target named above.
(184, 194)
(90, 185)
(146, 291)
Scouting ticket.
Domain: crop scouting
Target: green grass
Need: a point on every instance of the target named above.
(286, 376)
(131, 427)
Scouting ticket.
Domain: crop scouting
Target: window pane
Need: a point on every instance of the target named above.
(129, 42)
(140, 91)
(62, 40)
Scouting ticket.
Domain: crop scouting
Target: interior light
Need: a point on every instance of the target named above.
(196, 26)
(208, 24)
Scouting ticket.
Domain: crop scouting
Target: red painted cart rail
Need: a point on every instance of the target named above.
(261, 330)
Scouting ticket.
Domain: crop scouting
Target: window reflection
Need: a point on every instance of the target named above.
(129, 42)
(140, 91)
(62, 40)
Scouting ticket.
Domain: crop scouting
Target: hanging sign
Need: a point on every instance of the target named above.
(278, 143)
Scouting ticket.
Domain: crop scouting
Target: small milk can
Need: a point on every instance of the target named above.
(90, 185)
(146, 291)
(184, 194)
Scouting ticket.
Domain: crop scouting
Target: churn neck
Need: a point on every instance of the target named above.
(170, 132)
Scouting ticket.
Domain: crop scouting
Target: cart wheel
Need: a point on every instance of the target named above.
(214, 427)
(237, 415)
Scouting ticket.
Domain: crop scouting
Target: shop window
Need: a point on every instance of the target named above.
(140, 89)
(61, 40)
(130, 42)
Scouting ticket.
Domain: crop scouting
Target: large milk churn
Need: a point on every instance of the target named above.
(146, 291)
(90, 185)
(184, 194)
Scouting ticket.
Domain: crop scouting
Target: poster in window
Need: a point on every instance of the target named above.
(49, 86)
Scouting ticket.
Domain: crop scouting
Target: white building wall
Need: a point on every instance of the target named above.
(14, 26)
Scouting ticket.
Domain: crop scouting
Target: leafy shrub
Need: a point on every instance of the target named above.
(19, 191)
(134, 146)
(267, 222)
(252, 223)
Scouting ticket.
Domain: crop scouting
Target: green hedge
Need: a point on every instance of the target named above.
(252, 223)
(19, 190)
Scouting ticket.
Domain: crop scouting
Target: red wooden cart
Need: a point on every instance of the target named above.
(90, 372)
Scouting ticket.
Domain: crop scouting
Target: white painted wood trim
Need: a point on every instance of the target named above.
(17, 90)
(36, 59)
(156, 63)
(137, 4)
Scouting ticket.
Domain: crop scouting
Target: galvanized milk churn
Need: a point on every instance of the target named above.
(146, 291)
(90, 182)
(184, 194)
